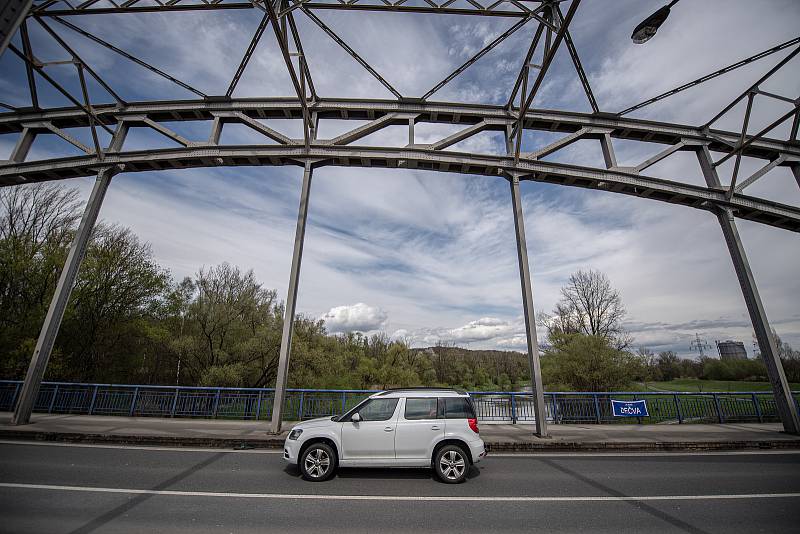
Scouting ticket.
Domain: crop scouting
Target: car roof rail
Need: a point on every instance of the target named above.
(423, 388)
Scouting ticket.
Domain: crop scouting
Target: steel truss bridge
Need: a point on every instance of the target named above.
(712, 146)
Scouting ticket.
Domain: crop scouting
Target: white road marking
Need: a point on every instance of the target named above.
(609, 454)
(423, 498)
(754, 452)
(138, 448)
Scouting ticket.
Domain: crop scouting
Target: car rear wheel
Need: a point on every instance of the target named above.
(318, 462)
(451, 464)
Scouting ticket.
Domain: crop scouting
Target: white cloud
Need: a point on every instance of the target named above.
(481, 330)
(355, 318)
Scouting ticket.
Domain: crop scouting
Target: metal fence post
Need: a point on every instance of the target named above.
(53, 400)
(258, 406)
(757, 405)
(678, 409)
(300, 407)
(555, 408)
(638, 419)
(94, 398)
(133, 401)
(14, 398)
(344, 402)
(174, 403)
(597, 407)
(720, 416)
(513, 409)
(216, 404)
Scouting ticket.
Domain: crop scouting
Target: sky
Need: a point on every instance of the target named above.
(427, 256)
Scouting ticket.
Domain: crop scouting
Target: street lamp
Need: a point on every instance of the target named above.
(649, 26)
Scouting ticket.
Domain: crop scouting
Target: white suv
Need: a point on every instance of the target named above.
(397, 428)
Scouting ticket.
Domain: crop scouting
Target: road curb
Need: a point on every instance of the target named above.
(642, 446)
(491, 446)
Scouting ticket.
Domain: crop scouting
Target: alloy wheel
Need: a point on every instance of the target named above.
(452, 465)
(317, 463)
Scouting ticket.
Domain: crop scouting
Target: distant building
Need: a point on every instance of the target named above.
(731, 350)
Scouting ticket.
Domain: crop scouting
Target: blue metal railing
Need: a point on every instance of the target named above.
(491, 406)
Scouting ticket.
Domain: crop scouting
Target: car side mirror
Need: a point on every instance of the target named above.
(355, 418)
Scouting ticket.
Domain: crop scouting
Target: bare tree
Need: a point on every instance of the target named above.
(589, 305)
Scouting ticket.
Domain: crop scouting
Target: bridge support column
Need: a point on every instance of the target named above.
(291, 298)
(52, 321)
(530, 316)
(786, 406)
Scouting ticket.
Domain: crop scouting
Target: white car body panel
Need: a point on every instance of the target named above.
(368, 440)
(416, 438)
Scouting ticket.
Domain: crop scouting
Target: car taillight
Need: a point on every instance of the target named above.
(473, 424)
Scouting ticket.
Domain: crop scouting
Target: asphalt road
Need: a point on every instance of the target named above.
(79, 489)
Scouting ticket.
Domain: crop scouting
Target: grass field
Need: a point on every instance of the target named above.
(693, 384)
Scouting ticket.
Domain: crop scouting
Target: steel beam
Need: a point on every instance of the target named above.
(613, 180)
(55, 313)
(172, 6)
(291, 300)
(784, 401)
(530, 316)
(12, 13)
(435, 112)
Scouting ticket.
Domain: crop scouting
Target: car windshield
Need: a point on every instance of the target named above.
(348, 413)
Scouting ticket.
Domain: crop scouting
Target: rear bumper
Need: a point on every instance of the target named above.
(478, 450)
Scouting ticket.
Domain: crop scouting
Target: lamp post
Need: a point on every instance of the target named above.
(649, 26)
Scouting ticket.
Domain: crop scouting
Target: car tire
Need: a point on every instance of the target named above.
(318, 462)
(451, 464)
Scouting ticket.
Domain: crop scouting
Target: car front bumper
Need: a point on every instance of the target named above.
(291, 450)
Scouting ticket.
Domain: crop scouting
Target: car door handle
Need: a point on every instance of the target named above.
(435, 427)
(388, 429)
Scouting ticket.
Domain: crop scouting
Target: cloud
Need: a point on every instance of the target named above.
(481, 330)
(355, 318)
(437, 250)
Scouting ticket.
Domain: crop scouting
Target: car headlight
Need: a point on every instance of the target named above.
(295, 433)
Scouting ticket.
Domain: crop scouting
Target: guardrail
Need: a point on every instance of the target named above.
(491, 406)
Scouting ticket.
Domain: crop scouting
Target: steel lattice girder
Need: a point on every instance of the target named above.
(519, 9)
(343, 151)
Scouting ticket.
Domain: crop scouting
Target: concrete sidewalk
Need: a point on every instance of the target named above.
(228, 434)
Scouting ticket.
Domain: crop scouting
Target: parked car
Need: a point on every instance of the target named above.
(417, 427)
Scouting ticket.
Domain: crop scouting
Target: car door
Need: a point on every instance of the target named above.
(418, 428)
(372, 438)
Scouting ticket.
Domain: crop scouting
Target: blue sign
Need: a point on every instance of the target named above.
(629, 408)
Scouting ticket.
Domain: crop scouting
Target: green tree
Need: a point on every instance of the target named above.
(587, 363)
(669, 365)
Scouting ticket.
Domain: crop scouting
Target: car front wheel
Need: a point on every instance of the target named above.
(451, 464)
(318, 462)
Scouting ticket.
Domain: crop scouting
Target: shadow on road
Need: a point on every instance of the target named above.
(683, 525)
(109, 516)
(405, 473)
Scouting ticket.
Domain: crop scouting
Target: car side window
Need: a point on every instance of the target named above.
(425, 408)
(378, 409)
(458, 408)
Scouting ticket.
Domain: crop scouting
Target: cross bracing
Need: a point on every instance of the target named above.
(345, 150)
